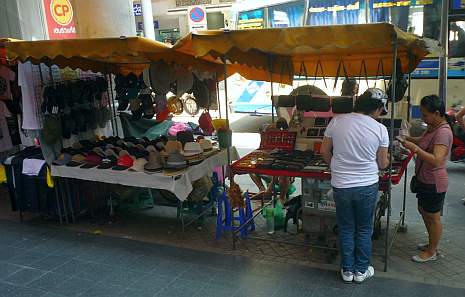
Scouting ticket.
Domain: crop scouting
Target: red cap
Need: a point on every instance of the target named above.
(126, 161)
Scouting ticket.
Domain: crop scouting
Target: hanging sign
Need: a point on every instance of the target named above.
(60, 19)
(197, 18)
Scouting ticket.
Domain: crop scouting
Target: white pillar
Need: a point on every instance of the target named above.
(147, 14)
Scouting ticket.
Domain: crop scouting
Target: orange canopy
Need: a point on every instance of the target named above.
(361, 50)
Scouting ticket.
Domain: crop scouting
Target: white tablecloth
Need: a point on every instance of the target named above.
(180, 185)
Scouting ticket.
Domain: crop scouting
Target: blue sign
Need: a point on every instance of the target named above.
(197, 14)
(430, 69)
(458, 4)
(137, 9)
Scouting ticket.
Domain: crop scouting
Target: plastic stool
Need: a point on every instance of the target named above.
(225, 224)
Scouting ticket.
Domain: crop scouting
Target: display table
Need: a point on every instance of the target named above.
(180, 185)
(248, 164)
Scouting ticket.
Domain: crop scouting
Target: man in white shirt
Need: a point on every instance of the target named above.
(356, 146)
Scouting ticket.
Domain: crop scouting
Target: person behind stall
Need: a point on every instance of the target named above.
(349, 87)
(432, 150)
(356, 147)
(284, 182)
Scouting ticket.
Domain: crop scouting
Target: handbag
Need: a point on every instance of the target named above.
(417, 186)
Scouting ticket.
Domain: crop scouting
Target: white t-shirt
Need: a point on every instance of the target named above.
(356, 139)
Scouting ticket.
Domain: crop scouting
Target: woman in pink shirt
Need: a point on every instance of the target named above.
(432, 150)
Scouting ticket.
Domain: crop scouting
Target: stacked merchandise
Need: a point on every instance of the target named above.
(74, 107)
(138, 155)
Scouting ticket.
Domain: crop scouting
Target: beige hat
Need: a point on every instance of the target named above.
(206, 145)
(151, 148)
(138, 165)
(123, 153)
(192, 149)
(173, 146)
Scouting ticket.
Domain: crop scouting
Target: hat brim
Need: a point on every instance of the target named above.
(105, 166)
(120, 168)
(88, 166)
(74, 164)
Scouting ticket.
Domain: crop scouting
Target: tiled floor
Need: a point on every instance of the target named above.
(63, 268)
(67, 260)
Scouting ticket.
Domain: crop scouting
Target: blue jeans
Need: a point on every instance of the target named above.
(355, 208)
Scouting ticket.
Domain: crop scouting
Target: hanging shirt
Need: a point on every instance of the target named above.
(29, 78)
(6, 75)
(5, 139)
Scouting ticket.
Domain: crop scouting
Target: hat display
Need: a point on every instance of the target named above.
(108, 162)
(110, 152)
(176, 161)
(76, 160)
(123, 153)
(206, 145)
(92, 160)
(124, 162)
(99, 151)
(138, 165)
(150, 149)
(173, 146)
(192, 149)
(155, 163)
(64, 159)
(185, 137)
(342, 104)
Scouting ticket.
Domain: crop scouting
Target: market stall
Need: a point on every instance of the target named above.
(380, 51)
(123, 69)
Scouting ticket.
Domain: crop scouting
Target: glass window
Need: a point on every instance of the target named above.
(287, 15)
(457, 39)
(421, 17)
(252, 19)
(332, 12)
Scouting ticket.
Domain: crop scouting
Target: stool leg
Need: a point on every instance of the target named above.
(219, 218)
(249, 212)
(242, 221)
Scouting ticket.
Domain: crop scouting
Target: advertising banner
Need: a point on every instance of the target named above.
(59, 16)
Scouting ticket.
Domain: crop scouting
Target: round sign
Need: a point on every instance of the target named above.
(61, 11)
(197, 14)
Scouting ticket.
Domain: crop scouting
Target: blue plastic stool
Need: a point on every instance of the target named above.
(225, 217)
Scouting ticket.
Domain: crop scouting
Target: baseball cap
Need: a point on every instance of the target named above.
(376, 94)
(64, 159)
(124, 162)
(92, 160)
(108, 162)
(76, 160)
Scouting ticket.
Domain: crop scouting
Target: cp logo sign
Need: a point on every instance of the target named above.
(62, 11)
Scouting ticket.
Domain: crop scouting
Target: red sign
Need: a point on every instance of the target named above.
(60, 19)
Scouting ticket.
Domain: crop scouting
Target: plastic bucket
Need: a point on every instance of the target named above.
(225, 139)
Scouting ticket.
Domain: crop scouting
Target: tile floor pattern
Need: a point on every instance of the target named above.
(38, 261)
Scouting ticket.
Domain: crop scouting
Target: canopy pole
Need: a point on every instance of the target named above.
(409, 106)
(217, 84)
(228, 151)
(391, 139)
(270, 67)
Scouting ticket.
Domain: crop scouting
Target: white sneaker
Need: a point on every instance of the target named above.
(347, 276)
(361, 277)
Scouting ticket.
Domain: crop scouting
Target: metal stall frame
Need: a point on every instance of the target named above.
(389, 240)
